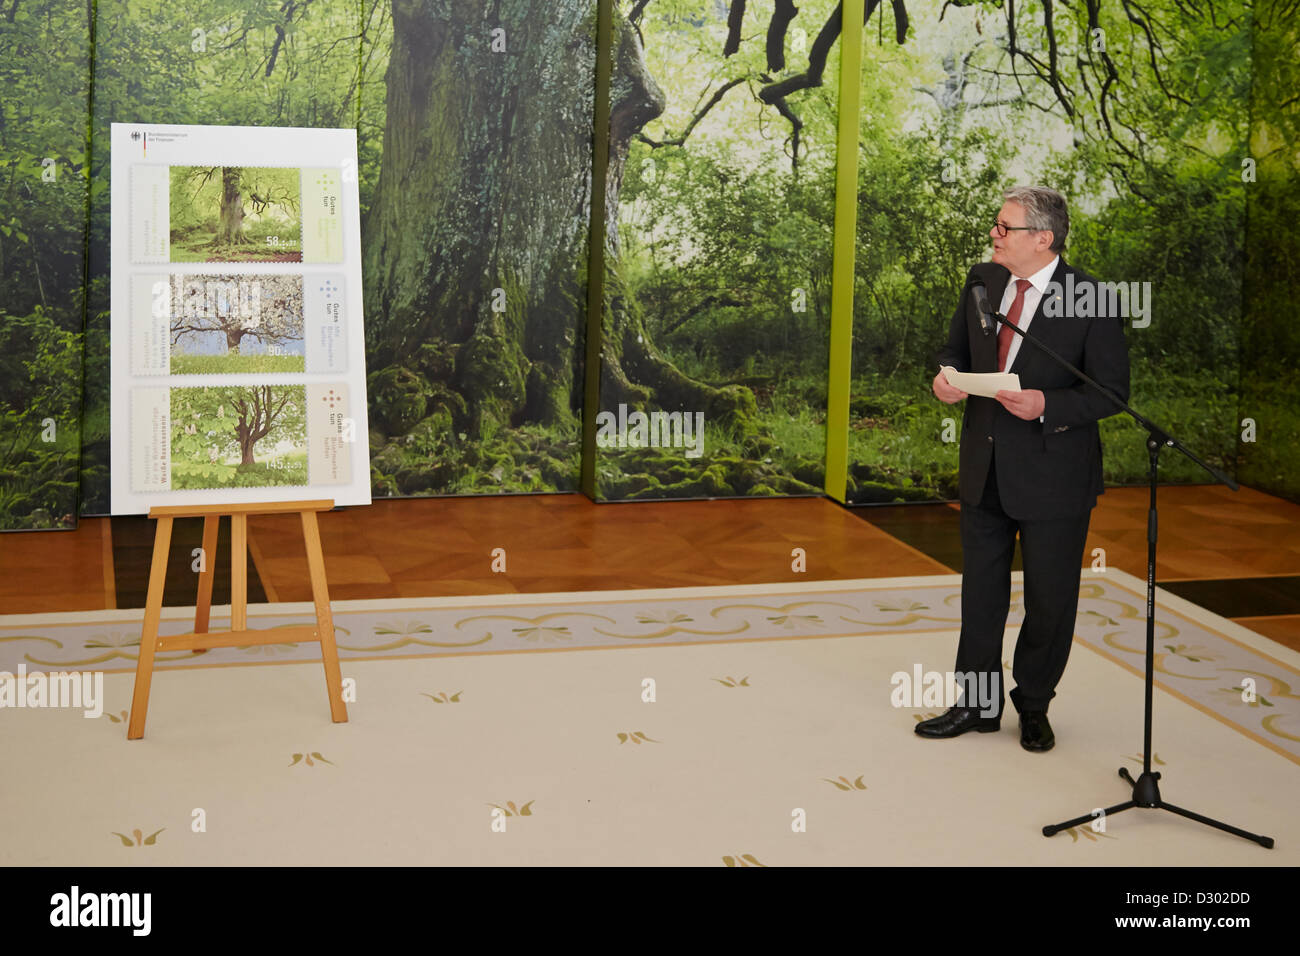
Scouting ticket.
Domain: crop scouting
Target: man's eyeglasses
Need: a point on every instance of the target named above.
(1003, 228)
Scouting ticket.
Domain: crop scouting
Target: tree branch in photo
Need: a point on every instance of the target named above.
(777, 27)
(821, 49)
(735, 21)
(681, 140)
(706, 303)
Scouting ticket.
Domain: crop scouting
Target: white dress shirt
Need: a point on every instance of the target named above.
(1038, 285)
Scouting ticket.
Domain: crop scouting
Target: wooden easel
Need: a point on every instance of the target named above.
(239, 635)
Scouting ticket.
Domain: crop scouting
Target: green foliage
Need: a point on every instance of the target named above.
(44, 72)
(286, 470)
(40, 368)
(219, 430)
(434, 458)
(1197, 406)
(731, 265)
(242, 364)
(917, 236)
(1187, 242)
(1270, 395)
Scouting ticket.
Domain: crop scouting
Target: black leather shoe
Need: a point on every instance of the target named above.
(1035, 731)
(956, 721)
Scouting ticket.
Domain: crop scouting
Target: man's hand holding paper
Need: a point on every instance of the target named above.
(1027, 404)
(984, 384)
(1004, 386)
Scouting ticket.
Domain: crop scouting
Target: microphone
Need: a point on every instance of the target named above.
(987, 322)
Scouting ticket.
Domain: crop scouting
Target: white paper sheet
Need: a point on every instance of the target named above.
(984, 384)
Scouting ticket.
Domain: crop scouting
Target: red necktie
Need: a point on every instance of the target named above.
(1013, 316)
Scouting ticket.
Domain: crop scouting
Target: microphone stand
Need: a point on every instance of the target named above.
(1146, 792)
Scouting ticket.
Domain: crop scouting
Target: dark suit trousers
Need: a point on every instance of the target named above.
(1052, 552)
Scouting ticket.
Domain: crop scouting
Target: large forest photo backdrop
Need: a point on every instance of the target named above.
(1170, 125)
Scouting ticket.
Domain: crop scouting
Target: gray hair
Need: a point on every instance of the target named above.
(1044, 210)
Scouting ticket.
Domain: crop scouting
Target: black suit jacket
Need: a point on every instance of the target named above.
(1047, 469)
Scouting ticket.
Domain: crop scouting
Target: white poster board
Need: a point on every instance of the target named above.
(238, 355)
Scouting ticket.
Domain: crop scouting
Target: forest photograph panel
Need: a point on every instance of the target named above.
(476, 212)
(718, 241)
(235, 214)
(1137, 114)
(1270, 399)
(238, 436)
(231, 324)
(722, 171)
(45, 78)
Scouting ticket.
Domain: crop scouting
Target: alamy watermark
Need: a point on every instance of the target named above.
(980, 689)
(655, 430)
(129, 910)
(1086, 300)
(82, 689)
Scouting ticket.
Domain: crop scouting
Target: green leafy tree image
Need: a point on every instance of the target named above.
(238, 436)
(44, 144)
(222, 213)
(1270, 332)
(39, 398)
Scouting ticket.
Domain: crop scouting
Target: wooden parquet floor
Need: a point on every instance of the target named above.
(449, 546)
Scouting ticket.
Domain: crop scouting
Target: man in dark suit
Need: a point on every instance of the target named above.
(1030, 461)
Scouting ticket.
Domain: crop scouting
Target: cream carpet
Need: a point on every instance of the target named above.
(774, 743)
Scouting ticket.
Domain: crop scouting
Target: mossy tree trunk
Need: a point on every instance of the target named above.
(231, 228)
(633, 370)
(478, 229)
(475, 244)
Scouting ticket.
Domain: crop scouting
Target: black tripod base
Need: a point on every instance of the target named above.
(1146, 794)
